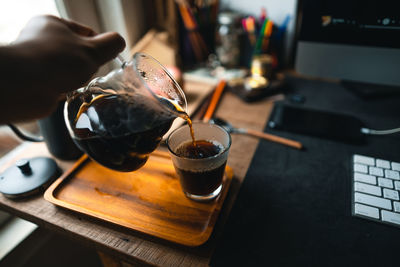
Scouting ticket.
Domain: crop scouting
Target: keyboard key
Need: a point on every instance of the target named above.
(383, 163)
(385, 182)
(397, 185)
(365, 178)
(360, 168)
(366, 211)
(376, 171)
(375, 190)
(372, 201)
(366, 188)
(392, 217)
(392, 174)
(396, 206)
(389, 193)
(364, 160)
(395, 166)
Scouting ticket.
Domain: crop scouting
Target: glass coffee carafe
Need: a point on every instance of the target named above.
(119, 119)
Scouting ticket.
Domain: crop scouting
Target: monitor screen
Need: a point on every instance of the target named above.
(352, 40)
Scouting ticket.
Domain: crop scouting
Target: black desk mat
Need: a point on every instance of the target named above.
(294, 207)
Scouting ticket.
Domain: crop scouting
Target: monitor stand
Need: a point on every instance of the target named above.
(369, 90)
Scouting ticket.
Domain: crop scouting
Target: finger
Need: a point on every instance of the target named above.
(79, 28)
(107, 46)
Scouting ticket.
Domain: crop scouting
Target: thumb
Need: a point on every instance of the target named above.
(107, 46)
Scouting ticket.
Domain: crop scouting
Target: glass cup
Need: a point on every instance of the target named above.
(201, 179)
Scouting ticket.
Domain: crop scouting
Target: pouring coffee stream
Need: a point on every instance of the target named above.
(177, 107)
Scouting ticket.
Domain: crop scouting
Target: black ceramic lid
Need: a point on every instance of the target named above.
(28, 176)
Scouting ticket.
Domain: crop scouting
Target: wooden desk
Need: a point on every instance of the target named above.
(133, 247)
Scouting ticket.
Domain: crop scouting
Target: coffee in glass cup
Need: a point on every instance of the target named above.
(200, 165)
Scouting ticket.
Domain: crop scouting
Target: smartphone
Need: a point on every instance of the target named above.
(318, 123)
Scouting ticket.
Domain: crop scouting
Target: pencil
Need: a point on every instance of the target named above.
(250, 26)
(260, 38)
(214, 100)
(275, 139)
(198, 45)
(267, 35)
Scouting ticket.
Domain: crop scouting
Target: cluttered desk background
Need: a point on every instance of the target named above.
(314, 206)
(297, 207)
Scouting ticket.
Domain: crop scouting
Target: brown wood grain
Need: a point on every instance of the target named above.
(131, 246)
(149, 200)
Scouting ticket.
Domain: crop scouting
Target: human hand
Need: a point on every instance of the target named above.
(50, 57)
(69, 53)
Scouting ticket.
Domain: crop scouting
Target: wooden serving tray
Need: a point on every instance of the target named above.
(149, 200)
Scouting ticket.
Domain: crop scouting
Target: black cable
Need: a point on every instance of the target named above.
(24, 136)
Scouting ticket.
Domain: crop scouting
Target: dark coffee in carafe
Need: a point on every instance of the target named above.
(119, 131)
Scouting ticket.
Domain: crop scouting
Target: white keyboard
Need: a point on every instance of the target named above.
(376, 188)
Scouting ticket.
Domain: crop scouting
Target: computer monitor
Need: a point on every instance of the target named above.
(351, 40)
